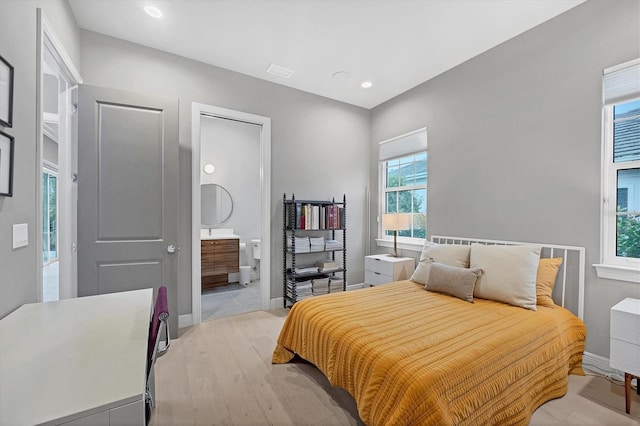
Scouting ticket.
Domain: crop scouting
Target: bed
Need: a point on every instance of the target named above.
(410, 356)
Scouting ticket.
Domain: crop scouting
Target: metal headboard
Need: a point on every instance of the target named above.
(576, 267)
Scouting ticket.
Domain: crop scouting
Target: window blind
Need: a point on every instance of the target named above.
(406, 144)
(622, 82)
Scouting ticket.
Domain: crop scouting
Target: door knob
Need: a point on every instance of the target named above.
(172, 249)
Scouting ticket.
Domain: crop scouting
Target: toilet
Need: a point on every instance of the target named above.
(255, 251)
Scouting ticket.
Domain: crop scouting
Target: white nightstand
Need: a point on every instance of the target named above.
(382, 268)
(625, 343)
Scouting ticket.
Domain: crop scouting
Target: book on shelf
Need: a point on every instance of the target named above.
(315, 216)
(304, 285)
(317, 243)
(305, 269)
(333, 245)
(326, 285)
(327, 264)
(335, 285)
(299, 245)
(320, 286)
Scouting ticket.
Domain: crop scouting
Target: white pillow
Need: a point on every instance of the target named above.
(509, 273)
(449, 254)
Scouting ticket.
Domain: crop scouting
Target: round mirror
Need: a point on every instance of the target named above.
(216, 204)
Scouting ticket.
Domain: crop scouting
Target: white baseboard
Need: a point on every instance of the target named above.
(601, 364)
(185, 321)
(355, 286)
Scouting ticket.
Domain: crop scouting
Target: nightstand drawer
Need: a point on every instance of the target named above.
(625, 321)
(378, 264)
(375, 278)
(625, 357)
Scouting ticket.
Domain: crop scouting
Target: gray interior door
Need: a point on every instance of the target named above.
(127, 193)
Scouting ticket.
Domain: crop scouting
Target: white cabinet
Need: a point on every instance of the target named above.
(625, 342)
(98, 419)
(125, 415)
(382, 268)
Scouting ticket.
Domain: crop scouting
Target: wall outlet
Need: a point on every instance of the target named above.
(20, 235)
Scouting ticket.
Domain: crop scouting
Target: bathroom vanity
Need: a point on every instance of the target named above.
(219, 248)
(218, 258)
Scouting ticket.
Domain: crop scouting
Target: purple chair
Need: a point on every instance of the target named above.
(158, 325)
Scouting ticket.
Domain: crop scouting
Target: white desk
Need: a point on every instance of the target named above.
(76, 361)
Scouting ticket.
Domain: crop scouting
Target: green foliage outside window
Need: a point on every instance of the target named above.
(409, 201)
(628, 236)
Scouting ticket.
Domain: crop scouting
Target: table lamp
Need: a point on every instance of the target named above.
(396, 222)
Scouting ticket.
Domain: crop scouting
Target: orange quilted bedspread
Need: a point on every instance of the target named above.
(412, 357)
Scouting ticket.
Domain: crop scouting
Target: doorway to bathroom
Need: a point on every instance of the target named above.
(230, 212)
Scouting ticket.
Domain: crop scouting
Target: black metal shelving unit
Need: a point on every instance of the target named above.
(289, 231)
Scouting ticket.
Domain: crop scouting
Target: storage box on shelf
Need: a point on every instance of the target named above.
(625, 343)
(382, 269)
(310, 227)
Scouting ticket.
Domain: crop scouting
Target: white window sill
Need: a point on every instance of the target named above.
(620, 273)
(415, 245)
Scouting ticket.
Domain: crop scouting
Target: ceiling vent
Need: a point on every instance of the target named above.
(279, 71)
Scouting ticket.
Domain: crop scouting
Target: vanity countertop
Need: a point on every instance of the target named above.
(218, 234)
(221, 237)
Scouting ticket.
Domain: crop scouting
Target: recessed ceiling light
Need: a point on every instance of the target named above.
(366, 84)
(153, 11)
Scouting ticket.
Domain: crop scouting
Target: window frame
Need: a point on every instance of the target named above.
(613, 266)
(403, 242)
(51, 171)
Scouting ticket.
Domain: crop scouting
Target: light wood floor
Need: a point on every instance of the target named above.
(220, 373)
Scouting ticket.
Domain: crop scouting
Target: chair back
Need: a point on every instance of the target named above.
(158, 324)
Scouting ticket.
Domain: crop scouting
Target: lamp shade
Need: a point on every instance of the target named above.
(396, 221)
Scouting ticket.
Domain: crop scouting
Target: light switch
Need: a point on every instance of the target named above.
(20, 235)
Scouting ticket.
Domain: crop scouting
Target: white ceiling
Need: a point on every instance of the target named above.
(395, 44)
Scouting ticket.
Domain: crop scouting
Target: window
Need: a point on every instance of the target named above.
(621, 174)
(405, 191)
(49, 217)
(403, 185)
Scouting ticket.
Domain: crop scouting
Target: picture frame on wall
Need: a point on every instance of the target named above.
(6, 164)
(6, 93)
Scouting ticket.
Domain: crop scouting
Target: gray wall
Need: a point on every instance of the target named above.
(514, 141)
(319, 147)
(18, 46)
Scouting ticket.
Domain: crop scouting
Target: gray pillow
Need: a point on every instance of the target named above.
(454, 281)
